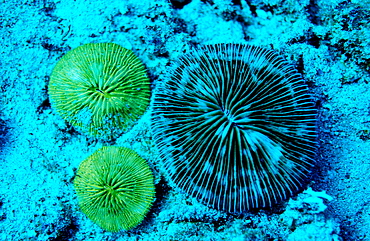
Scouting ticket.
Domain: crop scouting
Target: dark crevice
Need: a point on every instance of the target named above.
(312, 9)
(237, 2)
(44, 106)
(252, 8)
(4, 133)
(179, 4)
(210, 2)
(309, 37)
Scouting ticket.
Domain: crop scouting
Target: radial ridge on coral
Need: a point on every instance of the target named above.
(235, 126)
(100, 88)
(115, 188)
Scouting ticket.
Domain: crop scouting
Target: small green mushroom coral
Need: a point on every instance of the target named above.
(115, 188)
(100, 88)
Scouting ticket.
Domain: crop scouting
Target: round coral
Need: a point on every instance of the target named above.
(235, 126)
(100, 88)
(115, 188)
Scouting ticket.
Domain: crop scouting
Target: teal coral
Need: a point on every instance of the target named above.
(235, 126)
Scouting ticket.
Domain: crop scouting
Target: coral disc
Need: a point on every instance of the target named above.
(100, 88)
(115, 188)
(235, 126)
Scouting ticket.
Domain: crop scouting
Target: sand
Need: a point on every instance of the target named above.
(328, 42)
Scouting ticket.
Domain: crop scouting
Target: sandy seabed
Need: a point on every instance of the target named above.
(328, 42)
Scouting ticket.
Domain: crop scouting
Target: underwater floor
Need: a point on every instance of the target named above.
(326, 40)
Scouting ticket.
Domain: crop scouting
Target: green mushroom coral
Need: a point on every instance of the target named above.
(115, 188)
(100, 88)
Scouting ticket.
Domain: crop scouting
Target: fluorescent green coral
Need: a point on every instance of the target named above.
(115, 188)
(100, 88)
